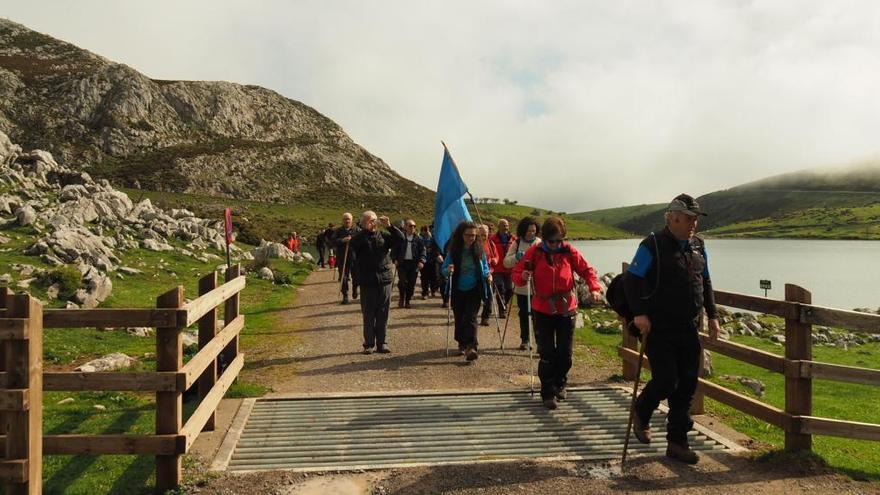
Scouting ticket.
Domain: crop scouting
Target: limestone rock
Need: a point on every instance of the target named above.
(111, 362)
(266, 274)
(25, 215)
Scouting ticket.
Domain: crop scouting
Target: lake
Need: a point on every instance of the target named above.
(840, 274)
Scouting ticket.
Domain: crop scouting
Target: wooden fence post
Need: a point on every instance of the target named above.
(798, 391)
(230, 312)
(24, 370)
(207, 332)
(629, 342)
(169, 405)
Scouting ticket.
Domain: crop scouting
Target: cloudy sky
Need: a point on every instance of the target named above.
(570, 105)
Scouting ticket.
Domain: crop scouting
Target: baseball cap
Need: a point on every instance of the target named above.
(686, 204)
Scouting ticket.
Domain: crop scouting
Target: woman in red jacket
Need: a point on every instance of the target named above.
(550, 267)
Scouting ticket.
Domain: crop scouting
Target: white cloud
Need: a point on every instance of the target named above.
(569, 105)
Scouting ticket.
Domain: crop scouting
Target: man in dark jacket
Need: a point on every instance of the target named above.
(346, 259)
(373, 273)
(409, 257)
(668, 289)
(429, 273)
(320, 246)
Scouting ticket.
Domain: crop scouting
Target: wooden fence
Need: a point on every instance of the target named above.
(796, 365)
(218, 349)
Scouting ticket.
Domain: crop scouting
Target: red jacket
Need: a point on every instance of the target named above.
(554, 284)
(491, 256)
(292, 244)
(499, 250)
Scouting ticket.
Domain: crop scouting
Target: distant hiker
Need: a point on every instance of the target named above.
(527, 232)
(666, 294)
(429, 273)
(292, 242)
(346, 259)
(553, 263)
(469, 270)
(327, 234)
(440, 257)
(499, 243)
(492, 259)
(409, 257)
(320, 244)
(373, 274)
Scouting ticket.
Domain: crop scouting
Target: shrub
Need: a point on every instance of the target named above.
(68, 279)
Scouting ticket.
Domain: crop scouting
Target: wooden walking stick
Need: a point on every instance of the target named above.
(344, 267)
(632, 404)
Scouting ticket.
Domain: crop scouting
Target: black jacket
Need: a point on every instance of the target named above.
(372, 250)
(337, 243)
(418, 249)
(683, 290)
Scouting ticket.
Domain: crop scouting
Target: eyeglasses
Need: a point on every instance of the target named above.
(470, 235)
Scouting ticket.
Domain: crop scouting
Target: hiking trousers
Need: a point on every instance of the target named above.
(465, 306)
(522, 302)
(554, 335)
(407, 273)
(675, 369)
(375, 303)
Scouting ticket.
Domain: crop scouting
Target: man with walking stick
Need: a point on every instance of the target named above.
(672, 267)
(341, 238)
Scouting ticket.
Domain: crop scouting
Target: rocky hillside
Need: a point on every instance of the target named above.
(214, 138)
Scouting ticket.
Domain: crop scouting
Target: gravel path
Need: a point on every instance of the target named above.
(318, 351)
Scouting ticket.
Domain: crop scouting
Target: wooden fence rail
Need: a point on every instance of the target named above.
(797, 366)
(21, 394)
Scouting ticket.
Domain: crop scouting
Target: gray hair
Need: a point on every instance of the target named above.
(347, 215)
(368, 214)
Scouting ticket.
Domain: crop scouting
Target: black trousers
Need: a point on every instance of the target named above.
(430, 279)
(465, 305)
(345, 274)
(503, 289)
(407, 273)
(675, 365)
(321, 249)
(554, 335)
(487, 305)
(522, 303)
(375, 302)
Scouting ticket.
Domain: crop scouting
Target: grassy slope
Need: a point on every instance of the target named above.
(577, 228)
(131, 412)
(857, 458)
(813, 223)
(617, 216)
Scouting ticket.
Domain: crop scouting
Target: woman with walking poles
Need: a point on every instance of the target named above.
(547, 270)
(527, 232)
(468, 270)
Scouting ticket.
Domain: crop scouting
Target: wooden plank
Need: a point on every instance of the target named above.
(14, 470)
(111, 381)
(743, 403)
(169, 405)
(111, 318)
(837, 372)
(208, 354)
(112, 444)
(840, 318)
(14, 400)
(759, 304)
(632, 357)
(13, 329)
(200, 307)
(197, 421)
(207, 331)
(798, 390)
(837, 428)
(757, 357)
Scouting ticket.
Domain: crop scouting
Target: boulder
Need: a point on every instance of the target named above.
(79, 245)
(8, 203)
(154, 245)
(272, 250)
(8, 151)
(111, 362)
(25, 215)
(708, 369)
(266, 274)
(140, 331)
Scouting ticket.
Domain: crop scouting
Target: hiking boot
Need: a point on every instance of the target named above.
(641, 429)
(400, 302)
(561, 394)
(345, 299)
(383, 349)
(407, 305)
(471, 354)
(524, 346)
(551, 403)
(424, 297)
(368, 350)
(681, 452)
(461, 349)
(484, 321)
(445, 305)
(354, 293)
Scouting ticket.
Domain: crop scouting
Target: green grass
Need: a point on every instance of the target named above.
(861, 222)
(577, 228)
(857, 458)
(618, 216)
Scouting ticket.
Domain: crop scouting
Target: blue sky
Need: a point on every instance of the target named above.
(571, 105)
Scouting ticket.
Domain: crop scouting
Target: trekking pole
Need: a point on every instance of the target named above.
(507, 320)
(448, 306)
(534, 343)
(632, 406)
(497, 323)
(344, 267)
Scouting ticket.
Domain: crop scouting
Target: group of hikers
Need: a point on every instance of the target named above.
(667, 286)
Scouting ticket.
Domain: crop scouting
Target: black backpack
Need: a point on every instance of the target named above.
(616, 295)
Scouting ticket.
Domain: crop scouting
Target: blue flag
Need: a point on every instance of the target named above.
(449, 208)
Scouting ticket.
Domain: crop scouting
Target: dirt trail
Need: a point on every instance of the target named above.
(326, 358)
